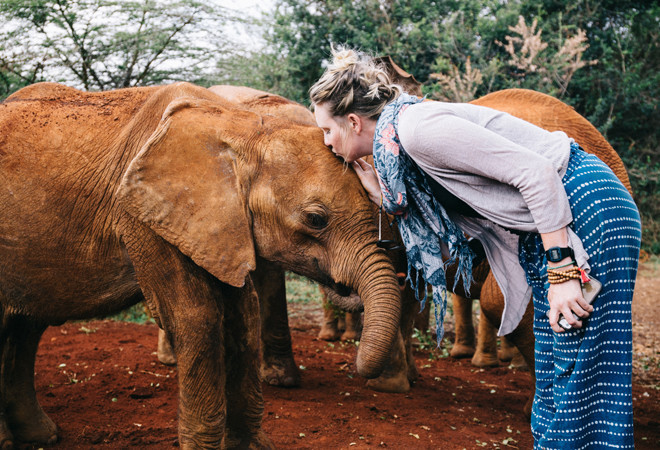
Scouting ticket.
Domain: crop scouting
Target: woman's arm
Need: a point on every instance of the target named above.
(566, 297)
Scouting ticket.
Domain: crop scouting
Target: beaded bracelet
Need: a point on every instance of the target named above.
(576, 273)
(557, 276)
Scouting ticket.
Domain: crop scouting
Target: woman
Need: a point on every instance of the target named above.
(549, 215)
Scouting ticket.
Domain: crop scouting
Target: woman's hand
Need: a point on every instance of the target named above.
(566, 299)
(369, 179)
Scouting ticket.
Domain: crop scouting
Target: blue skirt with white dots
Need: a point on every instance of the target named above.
(583, 395)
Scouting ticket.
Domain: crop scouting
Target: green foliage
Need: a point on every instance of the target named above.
(105, 44)
(300, 290)
(136, 313)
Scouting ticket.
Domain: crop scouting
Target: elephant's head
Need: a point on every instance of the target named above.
(225, 185)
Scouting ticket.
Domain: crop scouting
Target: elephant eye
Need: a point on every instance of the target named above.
(315, 220)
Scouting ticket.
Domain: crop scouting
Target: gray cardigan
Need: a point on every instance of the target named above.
(505, 168)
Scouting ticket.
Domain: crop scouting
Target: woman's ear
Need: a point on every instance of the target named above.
(354, 122)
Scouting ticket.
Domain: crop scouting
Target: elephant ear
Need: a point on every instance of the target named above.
(183, 184)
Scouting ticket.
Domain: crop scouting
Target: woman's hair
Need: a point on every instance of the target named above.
(354, 83)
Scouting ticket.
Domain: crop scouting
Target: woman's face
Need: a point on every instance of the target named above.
(346, 136)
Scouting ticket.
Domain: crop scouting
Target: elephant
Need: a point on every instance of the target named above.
(278, 365)
(172, 195)
(551, 114)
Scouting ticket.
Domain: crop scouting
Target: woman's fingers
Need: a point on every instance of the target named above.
(553, 317)
(585, 308)
(368, 178)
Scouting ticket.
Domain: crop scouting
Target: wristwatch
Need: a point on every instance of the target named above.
(556, 254)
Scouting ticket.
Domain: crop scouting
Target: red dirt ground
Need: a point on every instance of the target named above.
(102, 384)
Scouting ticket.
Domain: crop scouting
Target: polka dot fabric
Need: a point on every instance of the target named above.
(583, 396)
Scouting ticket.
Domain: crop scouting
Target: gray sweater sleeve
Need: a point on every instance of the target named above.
(443, 143)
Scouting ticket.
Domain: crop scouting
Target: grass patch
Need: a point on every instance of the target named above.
(136, 314)
(301, 290)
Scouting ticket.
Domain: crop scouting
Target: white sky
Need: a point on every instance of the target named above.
(253, 8)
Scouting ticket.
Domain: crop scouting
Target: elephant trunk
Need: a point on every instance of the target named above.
(380, 293)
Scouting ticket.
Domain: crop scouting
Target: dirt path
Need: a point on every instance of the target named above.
(101, 383)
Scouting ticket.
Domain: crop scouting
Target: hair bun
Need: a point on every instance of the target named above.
(343, 59)
(354, 83)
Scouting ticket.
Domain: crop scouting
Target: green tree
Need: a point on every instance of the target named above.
(105, 44)
(300, 33)
(18, 72)
(619, 95)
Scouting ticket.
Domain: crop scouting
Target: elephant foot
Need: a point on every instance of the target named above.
(483, 359)
(506, 353)
(396, 383)
(258, 442)
(329, 331)
(352, 327)
(34, 428)
(165, 351)
(166, 358)
(351, 335)
(518, 362)
(283, 373)
(459, 351)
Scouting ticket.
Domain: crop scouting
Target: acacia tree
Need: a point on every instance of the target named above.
(105, 44)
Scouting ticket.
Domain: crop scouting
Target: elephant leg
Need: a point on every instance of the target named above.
(509, 353)
(353, 326)
(411, 317)
(245, 403)
(464, 328)
(278, 367)
(506, 351)
(518, 361)
(492, 305)
(24, 416)
(189, 304)
(486, 353)
(330, 328)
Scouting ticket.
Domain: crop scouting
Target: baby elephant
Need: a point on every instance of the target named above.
(170, 195)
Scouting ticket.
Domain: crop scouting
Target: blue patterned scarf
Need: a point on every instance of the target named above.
(421, 219)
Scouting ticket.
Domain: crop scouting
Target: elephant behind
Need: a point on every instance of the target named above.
(171, 195)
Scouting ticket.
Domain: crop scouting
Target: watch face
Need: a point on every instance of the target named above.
(554, 254)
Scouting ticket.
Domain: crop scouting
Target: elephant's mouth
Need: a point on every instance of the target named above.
(342, 289)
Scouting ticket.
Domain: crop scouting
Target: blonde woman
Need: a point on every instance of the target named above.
(549, 215)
